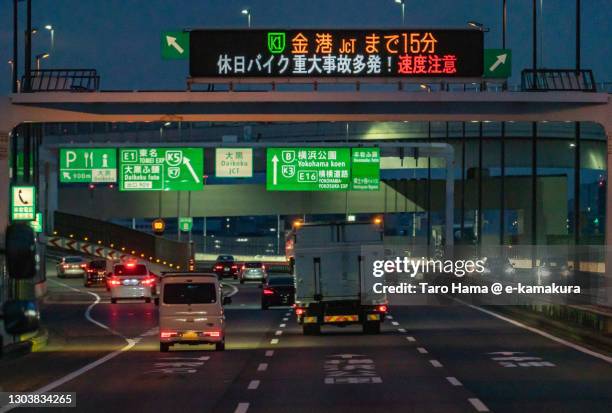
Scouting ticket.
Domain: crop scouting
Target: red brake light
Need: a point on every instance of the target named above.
(234, 267)
(263, 267)
(167, 334)
(130, 264)
(382, 308)
(214, 333)
(83, 265)
(114, 281)
(268, 291)
(299, 311)
(148, 281)
(243, 267)
(218, 267)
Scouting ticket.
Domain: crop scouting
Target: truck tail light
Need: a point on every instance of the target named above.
(382, 308)
(299, 311)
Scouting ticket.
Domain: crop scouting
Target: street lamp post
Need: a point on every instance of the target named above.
(247, 13)
(39, 57)
(52, 33)
(403, 6)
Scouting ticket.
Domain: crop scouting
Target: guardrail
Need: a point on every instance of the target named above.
(101, 234)
(558, 80)
(61, 80)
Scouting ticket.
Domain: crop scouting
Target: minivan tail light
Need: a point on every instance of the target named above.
(114, 281)
(148, 281)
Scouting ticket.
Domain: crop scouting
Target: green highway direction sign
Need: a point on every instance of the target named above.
(185, 224)
(175, 45)
(365, 163)
(161, 169)
(322, 169)
(497, 63)
(87, 165)
(37, 224)
(234, 162)
(23, 203)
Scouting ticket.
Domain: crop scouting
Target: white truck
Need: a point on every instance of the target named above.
(332, 264)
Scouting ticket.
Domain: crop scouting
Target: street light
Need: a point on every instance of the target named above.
(401, 3)
(52, 32)
(39, 57)
(478, 26)
(247, 12)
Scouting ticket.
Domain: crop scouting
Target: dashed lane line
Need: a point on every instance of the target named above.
(242, 408)
(283, 325)
(269, 353)
(422, 350)
(454, 381)
(274, 341)
(262, 367)
(253, 385)
(478, 405)
(435, 363)
(395, 323)
(411, 339)
(401, 330)
(278, 332)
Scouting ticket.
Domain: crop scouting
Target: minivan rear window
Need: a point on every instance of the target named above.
(196, 293)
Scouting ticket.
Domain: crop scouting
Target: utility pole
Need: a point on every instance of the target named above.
(27, 86)
(15, 45)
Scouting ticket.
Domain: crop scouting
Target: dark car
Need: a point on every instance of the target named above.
(95, 273)
(226, 266)
(278, 290)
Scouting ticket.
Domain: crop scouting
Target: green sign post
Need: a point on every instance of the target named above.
(365, 174)
(497, 63)
(161, 169)
(87, 165)
(37, 224)
(185, 224)
(322, 169)
(23, 203)
(175, 45)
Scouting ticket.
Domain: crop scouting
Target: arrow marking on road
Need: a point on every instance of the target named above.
(172, 43)
(501, 59)
(274, 171)
(187, 163)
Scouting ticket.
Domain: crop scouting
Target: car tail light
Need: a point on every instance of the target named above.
(167, 334)
(382, 308)
(268, 291)
(213, 333)
(263, 267)
(218, 267)
(148, 281)
(114, 281)
(299, 311)
(234, 267)
(243, 267)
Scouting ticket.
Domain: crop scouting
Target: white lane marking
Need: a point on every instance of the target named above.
(253, 385)
(395, 323)
(278, 332)
(274, 341)
(269, 353)
(411, 339)
(262, 367)
(422, 350)
(478, 405)
(454, 381)
(233, 288)
(242, 408)
(283, 325)
(389, 316)
(576, 347)
(435, 363)
(63, 380)
(401, 330)
(285, 318)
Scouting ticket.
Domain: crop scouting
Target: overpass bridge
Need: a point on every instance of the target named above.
(300, 106)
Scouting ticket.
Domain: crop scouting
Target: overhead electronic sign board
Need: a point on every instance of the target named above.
(336, 53)
(161, 169)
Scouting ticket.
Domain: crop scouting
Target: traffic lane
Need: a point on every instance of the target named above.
(248, 296)
(188, 377)
(339, 370)
(508, 367)
(73, 341)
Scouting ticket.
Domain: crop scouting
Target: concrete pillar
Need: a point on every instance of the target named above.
(4, 184)
(605, 297)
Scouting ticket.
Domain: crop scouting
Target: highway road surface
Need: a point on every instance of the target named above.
(427, 359)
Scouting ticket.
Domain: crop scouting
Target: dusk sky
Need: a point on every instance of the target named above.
(121, 38)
